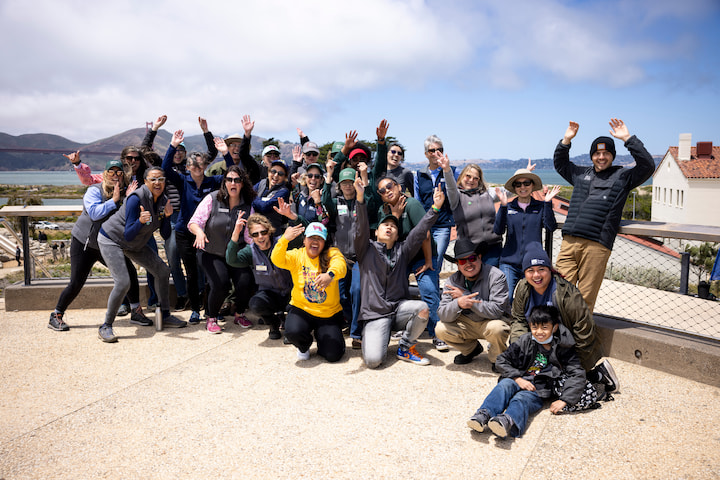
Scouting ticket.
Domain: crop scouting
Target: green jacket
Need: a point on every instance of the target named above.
(574, 313)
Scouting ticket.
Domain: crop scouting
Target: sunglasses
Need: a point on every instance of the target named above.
(433, 150)
(272, 154)
(117, 173)
(260, 233)
(525, 183)
(385, 189)
(471, 258)
(132, 158)
(236, 180)
(312, 154)
(396, 152)
(156, 179)
(279, 173)
(313, 175)
(194, 164)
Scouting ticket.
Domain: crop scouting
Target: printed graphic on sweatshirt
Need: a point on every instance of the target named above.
(312, 294)
(541, 361)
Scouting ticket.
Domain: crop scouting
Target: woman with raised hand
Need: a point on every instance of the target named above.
(126, 234)
(99, 202)
(212, 225)
(193, 187)
(473, 207)
(524, 218)
(315, 306)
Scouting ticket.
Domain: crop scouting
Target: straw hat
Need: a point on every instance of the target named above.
(523, 173)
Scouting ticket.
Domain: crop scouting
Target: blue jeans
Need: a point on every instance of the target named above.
(429, 286)
(350, 299)
(518, 404)
(513, 274)
(441, 236)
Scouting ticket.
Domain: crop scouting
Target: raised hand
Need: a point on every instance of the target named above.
(438, 198)
(359, 189)
(168, 210)
(297, 154)
(221, 145)
(203, 124)
(300, 132)
(145, 217)
(247, 125)
(501, 195)
(444, 162)
(399, 207)
(177, 138)
(467, 301)
(362, 168)
(382, 129)
(239, 226)
(159, 122)
(117, 192)
(291, 233)
(284, 209)
(350, 141)
(530, 165)
(131, 188)
(570, 133)
(74, 157)
(549, 193)
(618, 129)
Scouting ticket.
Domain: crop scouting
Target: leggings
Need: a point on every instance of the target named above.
(81, 262)
(184, 241)
(219, 275)
(300, 326)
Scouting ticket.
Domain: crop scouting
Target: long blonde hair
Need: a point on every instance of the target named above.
(482, 187)
(108, 189)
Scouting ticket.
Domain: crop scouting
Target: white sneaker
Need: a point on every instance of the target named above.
(302, 356)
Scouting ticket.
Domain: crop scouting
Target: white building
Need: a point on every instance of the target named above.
(686, 184)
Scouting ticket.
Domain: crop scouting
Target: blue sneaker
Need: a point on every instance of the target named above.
(106, 334)
(479, 421)
(411, 355)
(194, 318)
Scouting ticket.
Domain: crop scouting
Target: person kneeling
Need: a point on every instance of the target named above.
(383, 277)
(532, 370)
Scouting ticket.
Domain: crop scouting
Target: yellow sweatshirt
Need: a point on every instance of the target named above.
(323, 304)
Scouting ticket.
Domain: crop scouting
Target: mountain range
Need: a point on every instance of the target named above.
(27, 159)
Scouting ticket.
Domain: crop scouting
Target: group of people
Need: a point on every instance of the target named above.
(317, 248)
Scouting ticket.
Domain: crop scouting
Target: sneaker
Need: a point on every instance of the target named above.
(302, 356)
(242, 321)
(501, 425)
(123, 310)
(274, 332)
(494, 368)
(225, 308)
(212, 326)
(461, 359)
(440, 346)
(106, 334)
(479, 421)
(171, 321)
(286, 341)
(194, 318)
(608, 377)
(57, 323)
(411, 355)
(138, 317)
(182, 304)
(153, 306)
(356, 344)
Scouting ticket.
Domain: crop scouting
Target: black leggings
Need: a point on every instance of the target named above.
(218, 275)
(81, 262)
(300, 326)
(188, 254)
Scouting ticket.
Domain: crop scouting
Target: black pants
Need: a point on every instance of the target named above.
(265, 304)
(218, 275)
(300, 326)
(188, 255)
(81, 262)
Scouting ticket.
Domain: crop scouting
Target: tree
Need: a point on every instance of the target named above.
(702, 258)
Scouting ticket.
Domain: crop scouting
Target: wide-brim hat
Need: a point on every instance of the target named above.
(464, 248)
(523, 173)
(234, 138)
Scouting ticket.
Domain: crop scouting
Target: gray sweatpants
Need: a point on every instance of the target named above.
(114, 257)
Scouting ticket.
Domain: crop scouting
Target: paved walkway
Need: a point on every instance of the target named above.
(186, 404)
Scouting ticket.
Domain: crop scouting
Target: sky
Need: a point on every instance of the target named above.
(493, 79)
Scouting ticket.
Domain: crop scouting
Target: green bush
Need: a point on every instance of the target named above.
(644, 276)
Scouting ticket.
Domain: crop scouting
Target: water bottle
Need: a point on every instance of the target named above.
(158, 319)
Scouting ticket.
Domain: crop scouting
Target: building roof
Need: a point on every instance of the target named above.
(698, 167)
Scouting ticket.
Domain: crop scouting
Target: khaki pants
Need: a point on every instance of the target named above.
(582, 262)
(464, 333)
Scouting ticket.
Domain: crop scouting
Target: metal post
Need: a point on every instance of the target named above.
(633, 205)
(684, 272)
(25, 232)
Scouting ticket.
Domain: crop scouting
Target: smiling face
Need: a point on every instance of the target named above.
(314, 178)
(155, 182)
(234, 151)
(196, 167)
(539, 278)
(114, 175)
(313, 246)
(431, 154)
(347, 188)
(602, 159)
(133, 159)
(470, 179)
(523, 187)
(179, 156)
(470, 266)
(395, 157)
(389, 191)
(261, 236)
(542, 331)
(276, 175)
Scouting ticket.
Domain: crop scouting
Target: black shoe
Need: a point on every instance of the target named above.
(479, 421)
(138, 318)
(182, 304)
(106, 334)
(494, 368)
(608, 377)
(461, 359)
(173, 322)
(225, 309)
(123, 310)
(274, 332)
(501, 425)
(57, 323)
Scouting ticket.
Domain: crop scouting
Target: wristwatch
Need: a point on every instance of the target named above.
(332, 274)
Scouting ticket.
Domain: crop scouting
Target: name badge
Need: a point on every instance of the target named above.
(342, 209)
(261, 268)
(223, 210)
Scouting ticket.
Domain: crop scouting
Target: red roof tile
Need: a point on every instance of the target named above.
(698, 167)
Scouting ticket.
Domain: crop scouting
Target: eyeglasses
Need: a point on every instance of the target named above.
(279, 173)
(156, 179)
(396, 152)
(132, 158)
(236, 180)
(471, 258)
(433, 150)
(313, 175)
(260, 233)
(524, 183)
(386, 188)
(311, 154)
